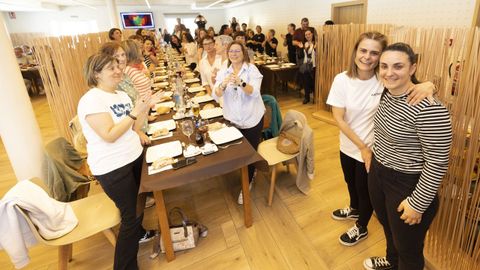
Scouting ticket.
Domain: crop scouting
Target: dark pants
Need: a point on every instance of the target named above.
(308, 79)
(253, 136)
(356, 177)
(122, 185)
(388, 188)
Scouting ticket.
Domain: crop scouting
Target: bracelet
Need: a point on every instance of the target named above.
(131, 116)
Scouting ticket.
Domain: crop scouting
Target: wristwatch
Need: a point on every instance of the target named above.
(242, 84)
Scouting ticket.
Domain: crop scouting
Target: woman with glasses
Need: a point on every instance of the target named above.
(239, 85)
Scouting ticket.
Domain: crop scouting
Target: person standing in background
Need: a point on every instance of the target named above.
(288, 42)
(258, 39)
(270, 43)
(115, 34)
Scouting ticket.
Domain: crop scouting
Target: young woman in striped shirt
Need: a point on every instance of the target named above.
(410, 158)
(354, 97)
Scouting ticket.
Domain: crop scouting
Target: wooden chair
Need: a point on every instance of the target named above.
(268, 150)
(95, 213)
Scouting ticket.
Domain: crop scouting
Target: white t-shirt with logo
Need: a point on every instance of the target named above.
(360, 99)
(104, 157)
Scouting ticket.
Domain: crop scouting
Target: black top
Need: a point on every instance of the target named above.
(292, 52)
(177, 47)
(269, 50)
(259, 38)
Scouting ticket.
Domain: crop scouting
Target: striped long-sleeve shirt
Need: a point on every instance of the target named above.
(142, 83)
(414, 140)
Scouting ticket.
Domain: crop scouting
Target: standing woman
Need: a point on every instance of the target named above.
(135, 68)
(354, 97)
(306, 57)
(108, 118)
(270, 44)
(410, 159)
(189, 48)
(239, 85)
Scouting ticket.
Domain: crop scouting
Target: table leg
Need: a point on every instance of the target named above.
(164, 227)
(247, 208)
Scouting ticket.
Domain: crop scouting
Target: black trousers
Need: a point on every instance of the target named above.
(122, 185)
(253, 136)
(388, 188)
(308, 79)
(356, 177)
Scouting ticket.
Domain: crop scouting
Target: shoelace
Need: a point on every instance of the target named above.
(345, 211)
(353, 232)
(381, 261)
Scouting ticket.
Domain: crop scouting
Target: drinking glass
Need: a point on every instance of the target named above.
(196, 109)
(187, 129)
(203, 129)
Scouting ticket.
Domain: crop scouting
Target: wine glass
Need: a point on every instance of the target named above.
(203, 128)
(187, 129)
(280, 59)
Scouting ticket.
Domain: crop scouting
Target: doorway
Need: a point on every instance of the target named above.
(350, 12)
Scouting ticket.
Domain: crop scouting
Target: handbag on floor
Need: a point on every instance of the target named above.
(185, 235)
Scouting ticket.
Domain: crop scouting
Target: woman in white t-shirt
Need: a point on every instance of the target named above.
(354, 97)
(108, 118)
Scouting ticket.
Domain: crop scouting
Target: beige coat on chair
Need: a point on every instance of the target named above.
(305, 158)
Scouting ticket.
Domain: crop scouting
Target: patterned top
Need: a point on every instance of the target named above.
(414, 140)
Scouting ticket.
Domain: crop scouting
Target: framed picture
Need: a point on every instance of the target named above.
(135, 20)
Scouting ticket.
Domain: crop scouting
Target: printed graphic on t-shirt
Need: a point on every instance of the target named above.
(121, 109)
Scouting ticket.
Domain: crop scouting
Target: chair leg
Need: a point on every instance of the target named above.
(111, 237)
(64, 256)
(272, 185)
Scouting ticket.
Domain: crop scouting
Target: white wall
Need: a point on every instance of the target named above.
(454, 13)
(40, 21)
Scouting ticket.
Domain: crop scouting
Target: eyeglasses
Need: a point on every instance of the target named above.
(235, 51)
(207, 44)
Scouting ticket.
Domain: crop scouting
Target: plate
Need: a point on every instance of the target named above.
(191, 80)
(289, 64)
(202, 99)
(168, 124)
(272, 66)
(169, 104)
(225, 135)
(160, 84)
(160, 78)
(196, 89)
(208, 148)
(211, 113)
(168, 93)
(169, 149)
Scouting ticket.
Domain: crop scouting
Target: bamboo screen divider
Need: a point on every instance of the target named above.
(453, 241)
(61, 68)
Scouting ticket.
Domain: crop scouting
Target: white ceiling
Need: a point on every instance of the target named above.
(38, 5)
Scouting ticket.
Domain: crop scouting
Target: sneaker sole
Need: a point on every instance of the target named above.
(352, 244)
(347, 218)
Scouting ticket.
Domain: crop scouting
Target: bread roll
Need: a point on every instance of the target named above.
(160, 132)
(162, 162)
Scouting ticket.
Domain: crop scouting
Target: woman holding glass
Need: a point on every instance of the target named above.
(410, 159)
(108, 119)
(239, 85)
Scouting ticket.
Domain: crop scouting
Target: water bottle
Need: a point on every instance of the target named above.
(178, 93)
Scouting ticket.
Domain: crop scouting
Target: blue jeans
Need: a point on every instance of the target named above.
(121, 186)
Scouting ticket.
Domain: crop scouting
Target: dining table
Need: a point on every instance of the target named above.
(275, 72)
(230, 156)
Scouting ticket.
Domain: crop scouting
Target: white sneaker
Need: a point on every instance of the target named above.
(377, 263)
(240, 196)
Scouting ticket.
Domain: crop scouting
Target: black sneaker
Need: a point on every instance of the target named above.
(354, 235)
(345, 213)
(147, 237)
(377, 263)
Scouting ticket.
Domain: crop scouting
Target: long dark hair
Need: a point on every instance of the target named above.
(412, 56)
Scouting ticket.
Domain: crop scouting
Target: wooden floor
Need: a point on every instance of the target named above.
(297, 232)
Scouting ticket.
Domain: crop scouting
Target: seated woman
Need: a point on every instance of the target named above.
(176, 44)
(108, 119)
(410, 158)
(149, 55)
(239, 85)
(189, 49)
(115, 34)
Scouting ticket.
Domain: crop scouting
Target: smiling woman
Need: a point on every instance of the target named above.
(411, 154)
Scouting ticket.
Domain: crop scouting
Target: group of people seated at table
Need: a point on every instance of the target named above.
(26, 60)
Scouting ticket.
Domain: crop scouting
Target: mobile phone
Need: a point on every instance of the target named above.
(184, 162)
